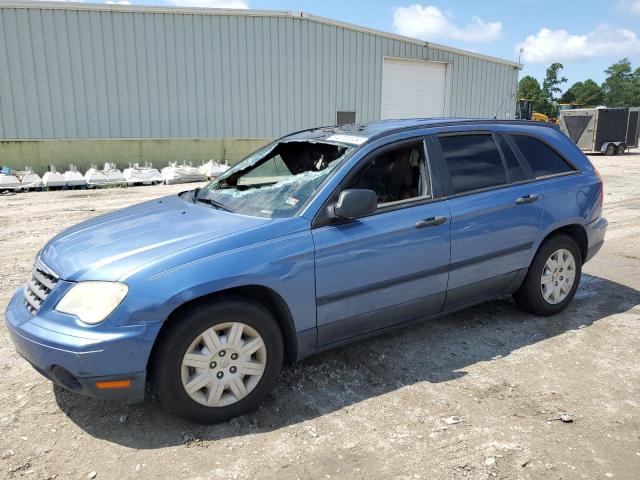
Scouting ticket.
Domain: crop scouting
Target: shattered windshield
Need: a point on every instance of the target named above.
(276, 180)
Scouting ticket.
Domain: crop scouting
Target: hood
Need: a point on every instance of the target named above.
(108, 246)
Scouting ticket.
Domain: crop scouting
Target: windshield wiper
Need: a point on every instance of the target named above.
(218, 205)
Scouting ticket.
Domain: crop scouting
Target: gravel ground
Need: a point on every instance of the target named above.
(476, 394)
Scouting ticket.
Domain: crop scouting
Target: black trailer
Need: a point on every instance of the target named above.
(597, 130)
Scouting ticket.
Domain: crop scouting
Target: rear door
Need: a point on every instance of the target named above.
(388, 267)
(496, 212)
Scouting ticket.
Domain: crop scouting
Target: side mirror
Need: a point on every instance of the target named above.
(356, 202)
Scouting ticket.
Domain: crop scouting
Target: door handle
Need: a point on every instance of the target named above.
(431, 222)
(527, 199)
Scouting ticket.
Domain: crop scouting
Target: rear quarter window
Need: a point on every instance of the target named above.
(544, 161)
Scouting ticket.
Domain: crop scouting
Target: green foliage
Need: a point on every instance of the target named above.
(551, 83)
(571, 95)
(529, 89)
(587, 93)
(621, 88)
(591, 94)
(551, 89)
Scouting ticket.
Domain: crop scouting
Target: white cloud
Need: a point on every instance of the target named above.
(557, 45)
(239, 4)
(430, 22)
(631, 7)
(118, 2)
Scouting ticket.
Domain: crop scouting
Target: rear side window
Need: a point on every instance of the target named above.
(513, 166)
(542, 158)
(473, 162)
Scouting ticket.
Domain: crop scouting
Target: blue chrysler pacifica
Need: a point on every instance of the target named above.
(320, 238)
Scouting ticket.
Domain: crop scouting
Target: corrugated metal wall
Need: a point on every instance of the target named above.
(102, 73)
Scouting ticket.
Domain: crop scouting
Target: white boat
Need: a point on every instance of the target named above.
(28, 179)
(74, 178)
(8, 181)
(114, 176)
(184, 173)
(95, 177)
(147, 175)
(213, 169)
(53, 179)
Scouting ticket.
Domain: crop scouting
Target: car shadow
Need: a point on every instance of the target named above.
(435, 351)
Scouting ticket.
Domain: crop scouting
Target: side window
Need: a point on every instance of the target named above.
(513, 166)
(473, 162)
(395, 175)
(542, 158)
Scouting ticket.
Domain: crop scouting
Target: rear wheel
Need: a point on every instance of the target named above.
(218, 360)
(610, 150)
(553, 277)
(621, 148)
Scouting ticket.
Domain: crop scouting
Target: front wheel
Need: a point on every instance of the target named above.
(553, 277)
(218, 361)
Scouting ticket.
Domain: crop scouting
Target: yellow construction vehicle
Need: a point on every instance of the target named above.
(539, 117)
(524, 111)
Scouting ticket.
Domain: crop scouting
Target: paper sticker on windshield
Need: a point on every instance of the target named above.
(291, 201)
(352, 139)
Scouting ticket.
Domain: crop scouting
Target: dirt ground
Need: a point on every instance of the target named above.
(381, 408)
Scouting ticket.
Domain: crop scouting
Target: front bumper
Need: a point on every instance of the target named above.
(79, 358)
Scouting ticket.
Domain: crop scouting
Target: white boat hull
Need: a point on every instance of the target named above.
(53, 180)
(9, 182)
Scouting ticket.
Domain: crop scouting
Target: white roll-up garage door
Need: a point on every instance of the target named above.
(413, 88)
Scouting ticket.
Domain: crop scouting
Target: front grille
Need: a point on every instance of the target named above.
(38, 288)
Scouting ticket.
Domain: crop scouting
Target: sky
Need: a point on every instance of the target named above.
(585, 36)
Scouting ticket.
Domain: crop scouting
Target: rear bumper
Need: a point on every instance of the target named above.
(81, 359)
(595, 233)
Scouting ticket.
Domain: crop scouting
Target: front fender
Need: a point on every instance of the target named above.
(283, 264)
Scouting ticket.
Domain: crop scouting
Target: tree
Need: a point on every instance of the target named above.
(591, 94)
(635, 89)
(571, 94)
(587, 93)
(529, 89)
(551, 83)
(618, 87)
(551, 88)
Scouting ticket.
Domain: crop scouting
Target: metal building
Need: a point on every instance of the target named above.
(87, 83)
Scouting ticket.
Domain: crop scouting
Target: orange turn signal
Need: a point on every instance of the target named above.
(113, 384)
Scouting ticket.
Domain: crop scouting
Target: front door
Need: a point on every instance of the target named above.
(390, 266)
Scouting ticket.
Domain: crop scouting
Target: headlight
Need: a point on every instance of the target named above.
(92, 302)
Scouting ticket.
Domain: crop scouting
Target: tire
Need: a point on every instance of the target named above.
(620, 150)
(531, 294)
(171, 377)
(610, 150)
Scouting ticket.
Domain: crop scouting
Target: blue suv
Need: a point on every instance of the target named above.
(323, 237)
